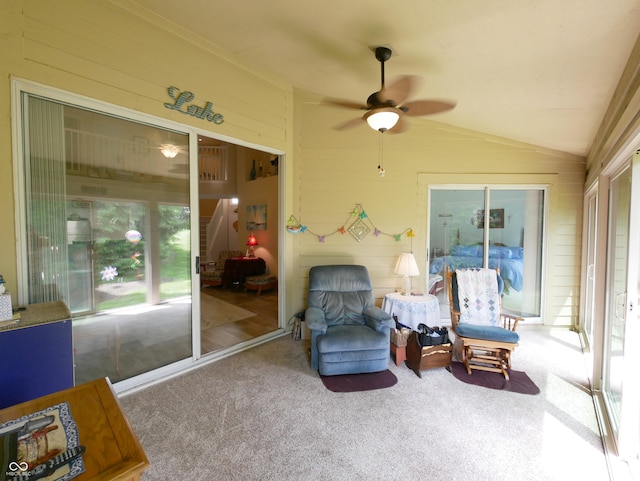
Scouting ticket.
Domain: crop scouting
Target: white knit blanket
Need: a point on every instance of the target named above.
(478, 296)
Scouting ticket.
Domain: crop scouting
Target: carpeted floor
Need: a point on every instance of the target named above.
(264, 415)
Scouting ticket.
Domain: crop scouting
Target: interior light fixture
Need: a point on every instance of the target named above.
(251, 242)
(406, 267)
(169, 150)
(383, 119)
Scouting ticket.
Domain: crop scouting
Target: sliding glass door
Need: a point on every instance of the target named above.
(617, 260)
(495, 227)
(106, 220)
(621, 346)
(591, 231)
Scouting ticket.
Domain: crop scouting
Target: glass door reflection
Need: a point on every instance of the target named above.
(107, 223)
(463, 233)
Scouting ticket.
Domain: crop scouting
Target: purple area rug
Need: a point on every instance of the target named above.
(518, 381)
(359, 382)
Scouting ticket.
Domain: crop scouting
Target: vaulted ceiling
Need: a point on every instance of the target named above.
(537, 71)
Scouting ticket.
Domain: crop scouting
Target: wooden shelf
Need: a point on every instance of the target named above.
(113, 451)
(263, 177)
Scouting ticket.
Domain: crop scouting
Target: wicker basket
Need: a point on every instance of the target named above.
(399, 336)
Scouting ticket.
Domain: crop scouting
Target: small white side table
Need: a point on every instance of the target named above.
(413, 310)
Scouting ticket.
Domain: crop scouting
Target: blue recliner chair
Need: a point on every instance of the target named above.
(349, 334)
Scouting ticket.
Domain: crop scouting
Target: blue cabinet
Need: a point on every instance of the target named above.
(36, 353)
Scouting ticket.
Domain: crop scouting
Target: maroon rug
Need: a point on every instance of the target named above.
(359, 382)
(518, 381)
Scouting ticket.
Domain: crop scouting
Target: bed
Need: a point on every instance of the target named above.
(507, 259)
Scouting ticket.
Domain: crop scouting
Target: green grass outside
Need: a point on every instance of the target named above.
(175, 275)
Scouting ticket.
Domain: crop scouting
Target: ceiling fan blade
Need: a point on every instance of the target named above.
(426, 107)
(348, 124)
(345, 103)
(400, 127)
(399, 90)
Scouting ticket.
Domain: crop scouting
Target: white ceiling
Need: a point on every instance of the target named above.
(538, 71)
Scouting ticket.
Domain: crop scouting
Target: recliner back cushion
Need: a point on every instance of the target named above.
(342, 292)
(340, 307)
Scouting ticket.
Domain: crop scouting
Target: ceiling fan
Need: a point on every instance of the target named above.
(386, 108)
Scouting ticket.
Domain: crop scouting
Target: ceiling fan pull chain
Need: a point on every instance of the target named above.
(381, 170)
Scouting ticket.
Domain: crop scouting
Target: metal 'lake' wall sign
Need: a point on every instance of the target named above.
(183, 98)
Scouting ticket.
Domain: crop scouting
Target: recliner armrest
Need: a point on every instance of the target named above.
(377, 318)
(315, 320)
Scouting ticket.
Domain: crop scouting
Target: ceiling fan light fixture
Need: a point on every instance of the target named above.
(169, 150)
(383, 119)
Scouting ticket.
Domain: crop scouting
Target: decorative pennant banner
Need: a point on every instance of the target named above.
(358, 224)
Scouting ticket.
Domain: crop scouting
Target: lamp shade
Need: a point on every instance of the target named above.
(252, 241)
(383, 118)
(406, 265)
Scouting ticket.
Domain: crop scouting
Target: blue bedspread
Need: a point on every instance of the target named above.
(510, 269)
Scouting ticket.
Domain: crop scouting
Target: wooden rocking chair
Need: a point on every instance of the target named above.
(485, 336)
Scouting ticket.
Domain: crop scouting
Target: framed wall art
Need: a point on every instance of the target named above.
(257, 217)
(496, 219)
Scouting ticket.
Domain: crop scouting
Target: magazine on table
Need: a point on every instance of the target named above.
(41, 446)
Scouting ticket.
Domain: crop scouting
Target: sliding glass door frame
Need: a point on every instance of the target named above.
(488, 183)
(21, 87)
(621, 440)
(629, 435)
(589, 314)
(623, 413)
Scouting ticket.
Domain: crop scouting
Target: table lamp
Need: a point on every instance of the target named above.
(251, 242)
(405, 267)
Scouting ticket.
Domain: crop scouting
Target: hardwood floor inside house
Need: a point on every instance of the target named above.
(265, 320)
(120, 344)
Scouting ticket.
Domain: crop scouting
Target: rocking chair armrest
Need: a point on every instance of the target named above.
(455, 317)
(511, 321)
